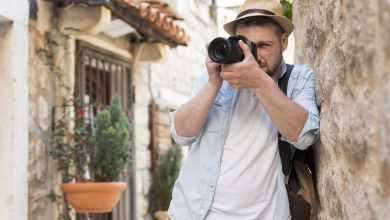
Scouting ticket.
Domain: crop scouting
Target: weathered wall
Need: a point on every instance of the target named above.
(13, 110)
(168, 81)
(44, 94)
(43, 177)
(347, 44)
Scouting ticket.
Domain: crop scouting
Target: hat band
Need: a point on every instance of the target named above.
(255, 10)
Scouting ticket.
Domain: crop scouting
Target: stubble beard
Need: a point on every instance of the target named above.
(274, 71)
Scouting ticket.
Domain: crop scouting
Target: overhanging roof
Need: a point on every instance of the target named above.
(154, 19)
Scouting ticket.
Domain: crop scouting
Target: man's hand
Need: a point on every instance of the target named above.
(214, 71)
(244, 74)
(191, 117)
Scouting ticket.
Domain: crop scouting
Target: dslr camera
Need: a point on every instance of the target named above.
(223, 51)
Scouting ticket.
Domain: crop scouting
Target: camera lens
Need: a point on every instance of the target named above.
(222, 50)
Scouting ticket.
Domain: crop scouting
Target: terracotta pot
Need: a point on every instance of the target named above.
(93, 197)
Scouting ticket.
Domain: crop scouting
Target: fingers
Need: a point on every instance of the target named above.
(226, 75)
(245, 48)
(208, 60)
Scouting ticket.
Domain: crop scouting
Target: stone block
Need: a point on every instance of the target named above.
(162, 118)
(142, 94)
(146, 181)
(141, 115)
(142, 137)
(143, 160)
(142, 206)
(162, 131)
(43, 113)
(138, 182)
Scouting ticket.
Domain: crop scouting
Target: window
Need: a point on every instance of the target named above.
(99, 75)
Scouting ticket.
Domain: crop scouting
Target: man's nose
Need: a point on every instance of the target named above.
(260, 60)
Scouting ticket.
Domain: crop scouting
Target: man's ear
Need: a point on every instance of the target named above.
(284, 41)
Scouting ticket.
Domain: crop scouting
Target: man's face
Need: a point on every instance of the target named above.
(269, 46)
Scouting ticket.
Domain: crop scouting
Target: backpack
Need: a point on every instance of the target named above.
(298, 168)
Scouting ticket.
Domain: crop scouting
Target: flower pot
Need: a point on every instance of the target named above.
(93, 197)
(161, 215)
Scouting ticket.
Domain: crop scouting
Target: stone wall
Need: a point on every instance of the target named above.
(347, 44)
(40, 90)
(43, 177)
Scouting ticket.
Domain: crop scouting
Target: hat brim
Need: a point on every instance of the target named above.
(285, 23)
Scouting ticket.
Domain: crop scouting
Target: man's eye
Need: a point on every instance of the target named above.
(262, 45)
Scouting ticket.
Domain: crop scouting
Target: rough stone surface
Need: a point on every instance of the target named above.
(40, 179)
(347, 44)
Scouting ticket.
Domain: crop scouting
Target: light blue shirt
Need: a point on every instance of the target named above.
(194, 189)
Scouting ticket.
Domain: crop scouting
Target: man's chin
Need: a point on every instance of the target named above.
(267, 71)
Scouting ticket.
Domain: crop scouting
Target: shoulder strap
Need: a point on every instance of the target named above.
(283, 81)
(285, 150)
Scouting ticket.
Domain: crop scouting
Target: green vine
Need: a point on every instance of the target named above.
(48, 51)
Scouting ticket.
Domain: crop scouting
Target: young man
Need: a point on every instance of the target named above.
(233, 170)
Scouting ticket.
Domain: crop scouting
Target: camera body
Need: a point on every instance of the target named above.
(223, 51)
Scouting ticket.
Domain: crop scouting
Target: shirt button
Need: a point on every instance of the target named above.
(202, 211)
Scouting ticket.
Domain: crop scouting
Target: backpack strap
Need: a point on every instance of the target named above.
(285, 148)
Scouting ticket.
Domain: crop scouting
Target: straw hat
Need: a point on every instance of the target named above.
(267, 8)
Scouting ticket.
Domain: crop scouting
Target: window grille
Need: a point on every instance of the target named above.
(100, 74)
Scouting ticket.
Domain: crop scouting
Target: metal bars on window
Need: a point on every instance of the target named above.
(99, 75)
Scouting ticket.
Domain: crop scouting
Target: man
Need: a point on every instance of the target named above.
(233, 170)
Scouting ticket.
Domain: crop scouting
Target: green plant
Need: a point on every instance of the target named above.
(70, 139)
(89, 149)
(110, 151)
(287, 8)
(167, 173)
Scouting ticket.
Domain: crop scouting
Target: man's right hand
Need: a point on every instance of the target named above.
(190, 118)
(214, 71)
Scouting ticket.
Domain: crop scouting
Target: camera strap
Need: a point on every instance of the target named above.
(285, 149)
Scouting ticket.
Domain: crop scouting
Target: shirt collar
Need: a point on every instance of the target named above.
(282, 69)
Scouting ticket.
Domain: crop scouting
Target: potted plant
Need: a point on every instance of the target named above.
(167, 172)
(91, 154)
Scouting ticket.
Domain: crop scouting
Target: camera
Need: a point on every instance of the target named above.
(223, 51)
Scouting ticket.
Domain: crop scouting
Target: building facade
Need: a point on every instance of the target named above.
(146, 51)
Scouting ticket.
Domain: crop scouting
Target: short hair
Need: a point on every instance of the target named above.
(259, 21)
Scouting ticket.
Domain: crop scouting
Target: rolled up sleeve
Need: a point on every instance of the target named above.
(309, 133)
(183, 141)
(302, 91)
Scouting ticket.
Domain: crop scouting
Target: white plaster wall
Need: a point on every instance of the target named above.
(14, 109)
